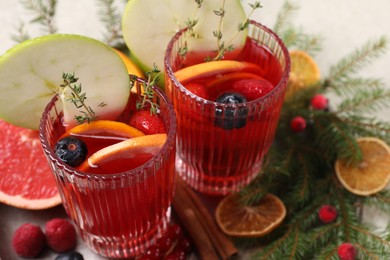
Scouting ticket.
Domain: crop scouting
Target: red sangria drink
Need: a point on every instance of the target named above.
(115, 177)
(227, 109)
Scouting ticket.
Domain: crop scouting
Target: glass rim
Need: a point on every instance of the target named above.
(171, 139)
(177, 84)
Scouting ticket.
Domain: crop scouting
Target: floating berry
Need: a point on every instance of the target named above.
(298, 124)
(327, 214)
(230, 117)
(147, 122)
(319, 102)
(71, 150)
(60, 235)
(28, 240)
(252, 88)
(198, 89)
(70, 256)
(347, 251)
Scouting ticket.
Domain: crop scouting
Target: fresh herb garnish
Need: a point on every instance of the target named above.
(152, 78)
(78, 99)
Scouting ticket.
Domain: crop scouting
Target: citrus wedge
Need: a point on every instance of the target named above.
(105, 128)
(26, 180)
(132, 68)
(239, 220)
(304, 72)
(372, 174)
(124, 155)
(31, 74)
(218, 67)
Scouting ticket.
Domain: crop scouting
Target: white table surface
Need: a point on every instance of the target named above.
(344, 24)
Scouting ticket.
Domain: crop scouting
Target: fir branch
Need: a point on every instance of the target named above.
(357, 60)
(283, 20)
(365, 101)
(110, 16)
(362, 126)
(348, 86)
(380, 201)
(21, 34)
(44, 11)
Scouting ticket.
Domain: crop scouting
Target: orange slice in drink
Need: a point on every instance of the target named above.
(304, 72)
(132, 68)
(124, 155)
(236, 219)
(372, 174)
(105, 128)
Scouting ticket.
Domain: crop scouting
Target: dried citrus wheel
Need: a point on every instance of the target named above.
(124, 155)
(239, 220)
(304, 72)
(105, 128)
(372, 174)
(132, 68)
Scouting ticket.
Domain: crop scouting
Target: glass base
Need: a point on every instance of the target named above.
(125, 247)
(215, 185)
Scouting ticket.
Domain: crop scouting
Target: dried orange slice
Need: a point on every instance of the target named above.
(239, 220)
(304, 72)
(105, 128)
(372, 174)
(124, 155)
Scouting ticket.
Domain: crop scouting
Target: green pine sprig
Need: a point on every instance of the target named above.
(110, 16)
(44, 12)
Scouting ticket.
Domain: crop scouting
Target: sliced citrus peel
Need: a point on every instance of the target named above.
(132, 68)
(206, 69)
(240, 220)
(372, 174)
(150, 144)
(304, 72)
(105, 128)
(232, 77)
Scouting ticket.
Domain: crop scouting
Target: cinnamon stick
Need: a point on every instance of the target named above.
(186, 198)
(193, 226)
(224, 246)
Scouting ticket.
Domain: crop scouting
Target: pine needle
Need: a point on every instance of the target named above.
(110, 16)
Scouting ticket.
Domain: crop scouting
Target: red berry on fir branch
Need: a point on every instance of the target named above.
(61, 235)
(347, 251)
(28, 240)
(319, 102)
(298, 124)
(327, 214)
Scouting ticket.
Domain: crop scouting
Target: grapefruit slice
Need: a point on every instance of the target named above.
(124, 155)
(26, 180)
(147, 40)
(31, 73)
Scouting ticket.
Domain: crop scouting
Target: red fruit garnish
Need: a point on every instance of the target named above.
(28, 240)
(147, 122)
(347, 251)
(252, 88)
(298, 124)
(198, 89)
(22, 161)
(61, 235)
(327, 214)
(319, 102)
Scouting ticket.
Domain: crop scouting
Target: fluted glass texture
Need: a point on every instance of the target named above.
(117, 215)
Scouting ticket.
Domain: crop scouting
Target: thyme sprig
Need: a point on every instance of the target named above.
(78, 99)
(147, 98)
(223, 47)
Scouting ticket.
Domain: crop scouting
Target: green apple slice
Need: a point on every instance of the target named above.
(149, 25)
(31, 74)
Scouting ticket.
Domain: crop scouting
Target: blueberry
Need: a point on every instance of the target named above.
(70, 256)
(230, 117)
(71, 150)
